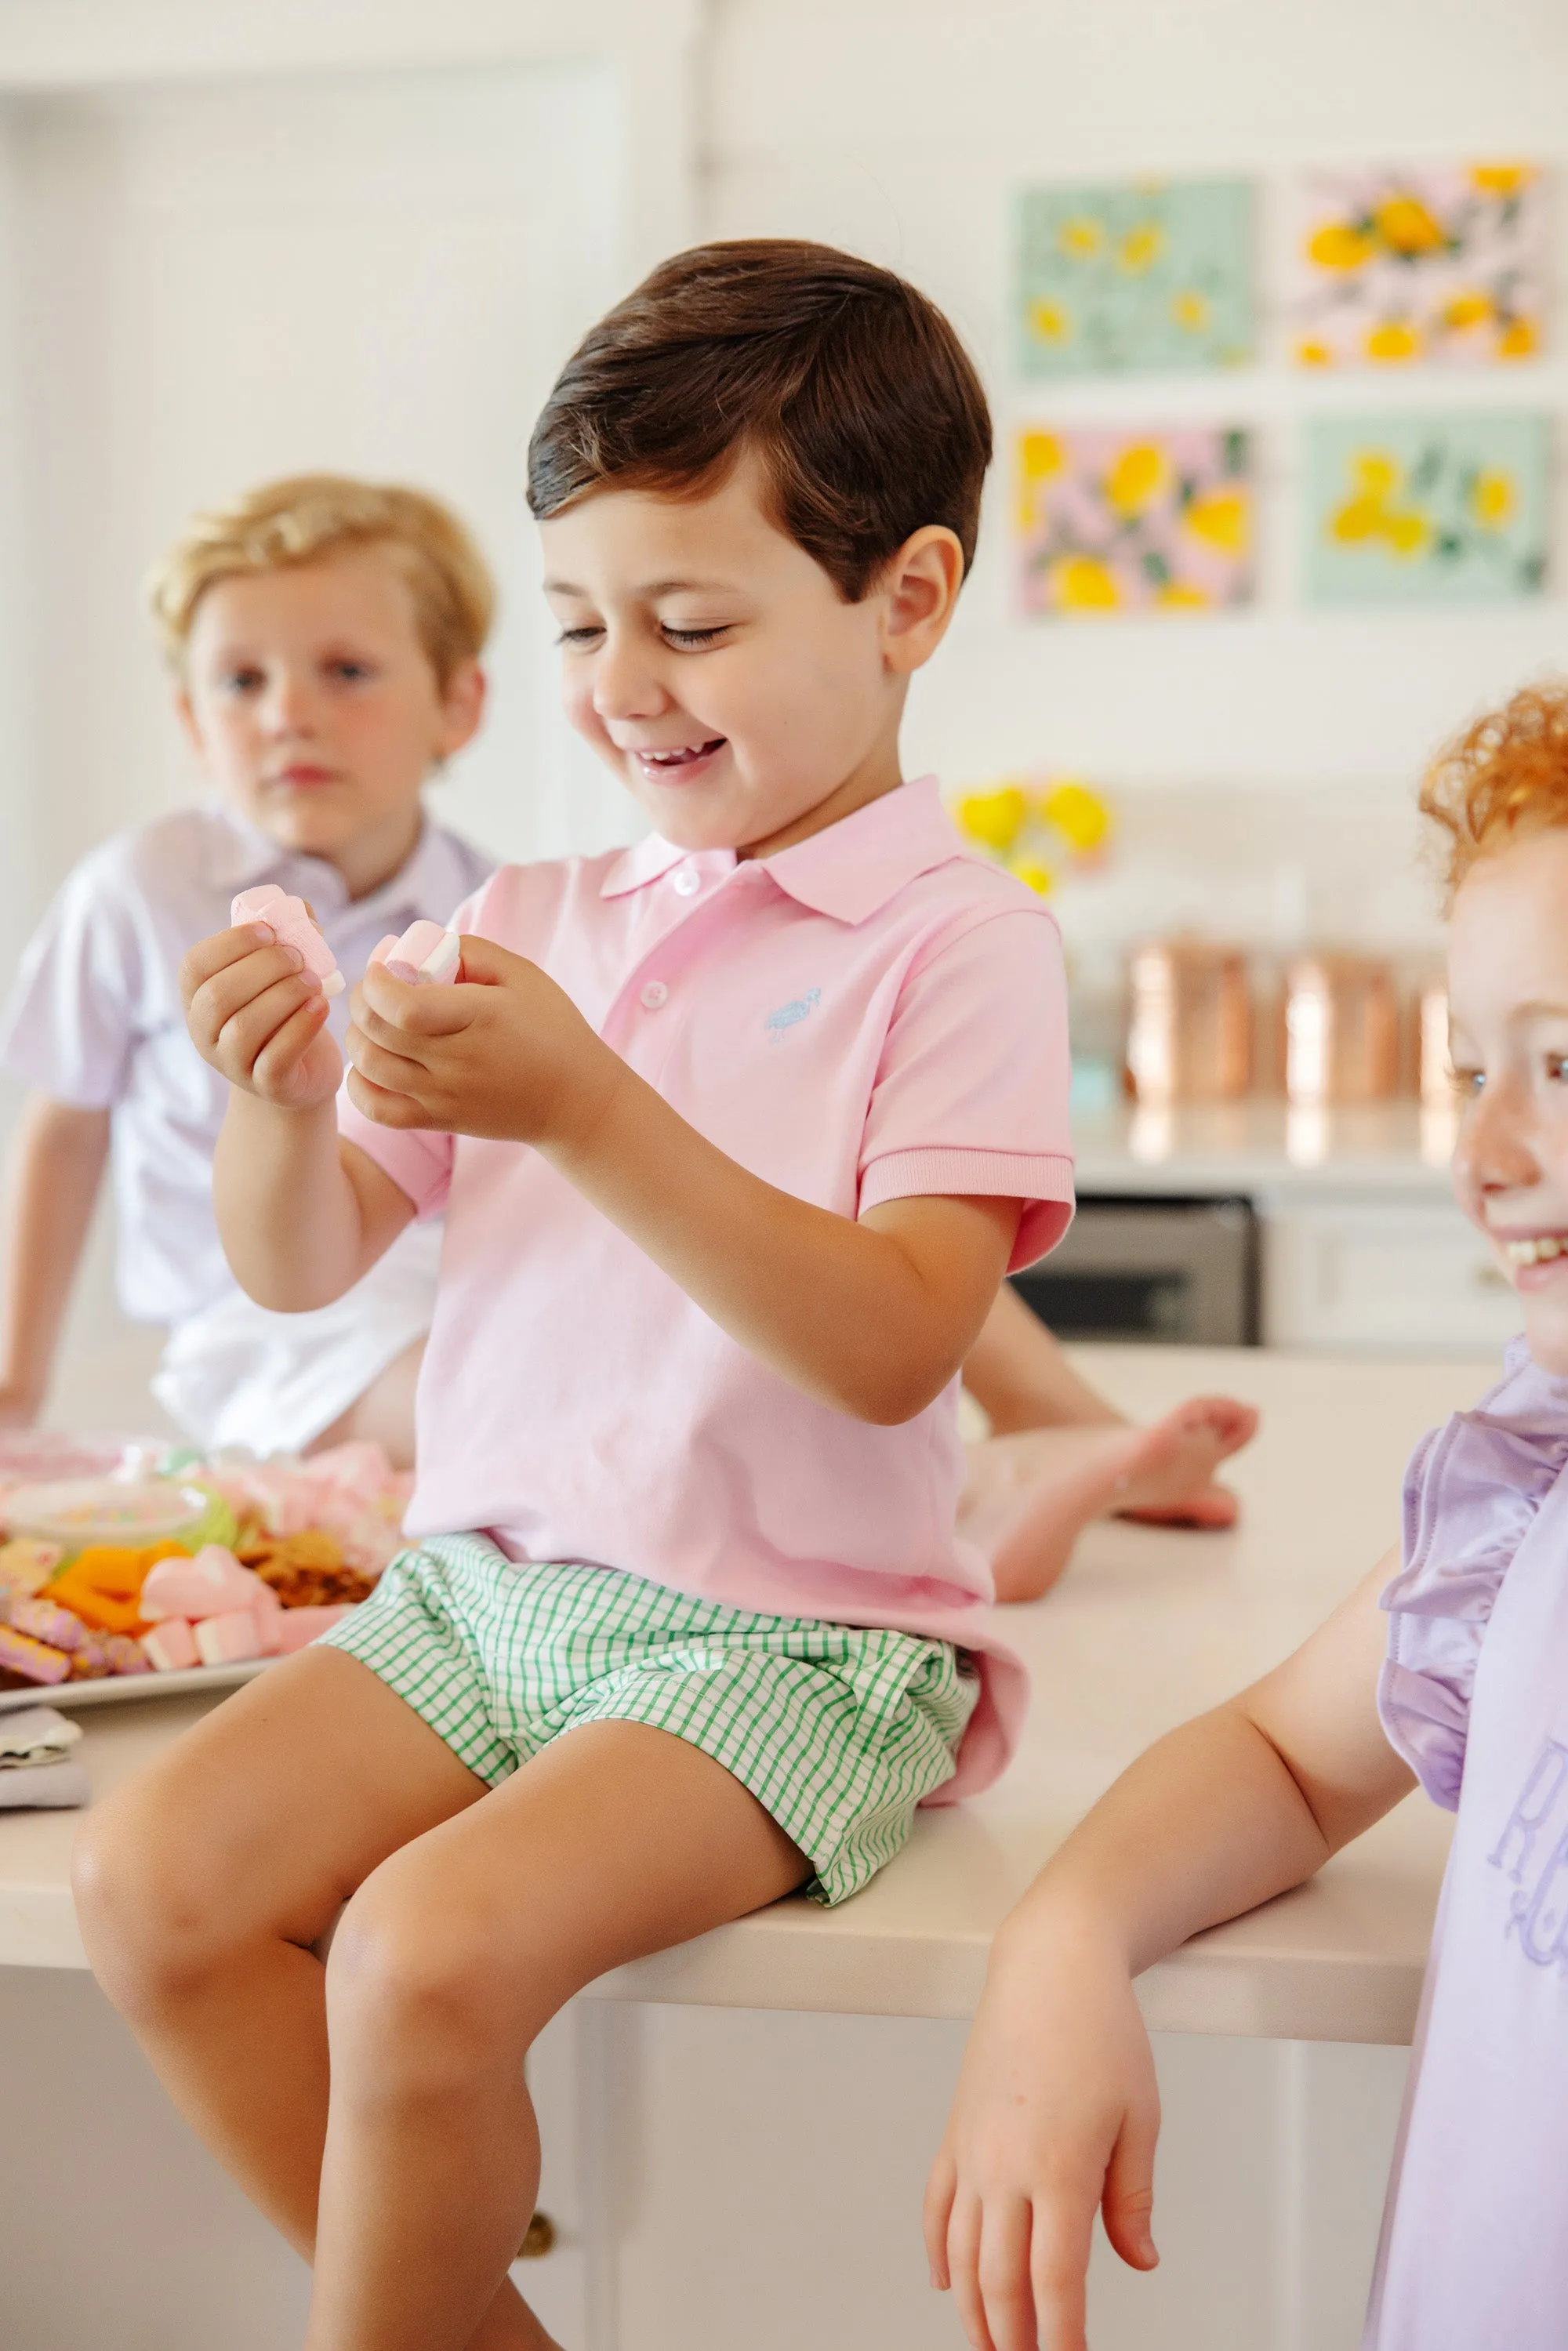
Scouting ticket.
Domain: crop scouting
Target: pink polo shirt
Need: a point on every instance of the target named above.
(871, 1014)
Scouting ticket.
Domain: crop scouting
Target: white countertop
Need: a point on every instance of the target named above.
(1265, 1146)
(1149, 1627)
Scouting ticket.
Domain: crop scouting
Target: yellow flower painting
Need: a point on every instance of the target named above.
(1427, 509)
(1035, 826)
(1117, 523)
(1398, 267)
(1134, 275)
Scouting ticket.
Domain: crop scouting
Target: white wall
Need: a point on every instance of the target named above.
(376, 274)
(901, 128)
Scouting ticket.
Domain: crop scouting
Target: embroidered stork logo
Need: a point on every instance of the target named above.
(799, 1009)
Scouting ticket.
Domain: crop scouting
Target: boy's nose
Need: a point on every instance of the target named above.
(624, 685)
(289, 706)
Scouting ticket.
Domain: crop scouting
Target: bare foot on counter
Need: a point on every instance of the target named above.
(1030, 1495)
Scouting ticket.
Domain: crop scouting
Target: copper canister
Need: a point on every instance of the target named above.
(1341, 1029)
(1190, 1024)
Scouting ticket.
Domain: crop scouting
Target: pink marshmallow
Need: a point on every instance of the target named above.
(213, 1583)
(295, 1628)
(171, 1647)
(427, 954)
(229, 1639)
(290, 919)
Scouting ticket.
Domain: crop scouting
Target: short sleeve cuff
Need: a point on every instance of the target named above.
(418, 1162)
(1042, 1180)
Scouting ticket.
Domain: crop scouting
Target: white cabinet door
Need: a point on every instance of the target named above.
(1360, 1272)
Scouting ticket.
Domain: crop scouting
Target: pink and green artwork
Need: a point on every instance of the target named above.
(1134, 521)
(1436, 262)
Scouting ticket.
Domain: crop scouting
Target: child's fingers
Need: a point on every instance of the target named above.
(1059, 2271)
(250, 1027)
(1128, 2201)
(386, 1108)
(229, 948)
(383, 1067)
(939, 2205)
(1004, 2273)
(485, 965)
(964, 2228)
(388, 1008)
(287, 1046)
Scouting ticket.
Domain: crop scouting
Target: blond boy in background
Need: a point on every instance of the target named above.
(324, 636)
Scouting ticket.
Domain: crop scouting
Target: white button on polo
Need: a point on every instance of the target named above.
(686, 883)
(653, 993)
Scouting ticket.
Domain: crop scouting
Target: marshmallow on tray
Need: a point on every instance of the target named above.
(426, 955)
(290, 919)
(213, 1583)
(231, 1639)
(170, 1646)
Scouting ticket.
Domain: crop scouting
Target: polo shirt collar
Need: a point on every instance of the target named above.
(243, 855)
(849, 870)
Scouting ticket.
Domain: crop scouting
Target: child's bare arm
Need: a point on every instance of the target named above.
(873, 1318)
(1057, 2114)
(302, 1214)
(57, 1169)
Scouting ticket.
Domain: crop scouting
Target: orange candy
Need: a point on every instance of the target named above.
(102, 1586)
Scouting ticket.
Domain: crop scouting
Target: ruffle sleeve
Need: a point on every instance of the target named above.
(1471, 1493)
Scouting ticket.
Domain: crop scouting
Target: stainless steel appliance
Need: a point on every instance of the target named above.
(1181, 1271)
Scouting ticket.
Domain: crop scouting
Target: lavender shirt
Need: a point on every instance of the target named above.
(1474, 1695)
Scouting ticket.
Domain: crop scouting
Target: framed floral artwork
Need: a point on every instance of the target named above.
(1128, 521)
(1433, 509)
(1134, 275)
(1434, 262)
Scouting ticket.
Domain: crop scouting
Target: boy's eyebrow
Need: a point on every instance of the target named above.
(653, 590)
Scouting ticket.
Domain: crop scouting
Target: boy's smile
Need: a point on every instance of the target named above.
(713, 663)
(1508, 960)
(312, 703)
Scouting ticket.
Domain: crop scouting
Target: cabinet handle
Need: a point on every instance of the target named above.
(539, 2239)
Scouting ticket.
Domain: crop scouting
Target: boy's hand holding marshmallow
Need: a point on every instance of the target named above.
(505, 1053)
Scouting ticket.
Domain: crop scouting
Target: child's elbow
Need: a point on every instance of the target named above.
(892, 1394)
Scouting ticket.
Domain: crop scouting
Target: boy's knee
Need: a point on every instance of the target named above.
(417, 1987)
(154, 1925)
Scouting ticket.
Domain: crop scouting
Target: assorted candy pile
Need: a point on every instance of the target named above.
(156, 1565)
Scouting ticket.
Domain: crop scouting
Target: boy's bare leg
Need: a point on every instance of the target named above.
(203, 1885)
(617, 1841)
(1029, 1496)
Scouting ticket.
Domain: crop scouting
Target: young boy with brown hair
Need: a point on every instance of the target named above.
(324, 637)
(735, 1133)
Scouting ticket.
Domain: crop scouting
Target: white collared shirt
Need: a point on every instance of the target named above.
(95, 1018)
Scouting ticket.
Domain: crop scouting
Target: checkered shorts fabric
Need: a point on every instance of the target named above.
(839, 1733)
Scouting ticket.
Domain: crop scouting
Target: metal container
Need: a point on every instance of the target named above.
(1341, 1029)
(1189, 1023)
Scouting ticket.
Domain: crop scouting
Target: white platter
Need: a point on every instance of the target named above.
(124, 1688)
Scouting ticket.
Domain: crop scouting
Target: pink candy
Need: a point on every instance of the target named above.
(171, 1647)
(295, 1628)
(213, 1583)
(45, 1621)
(230, 1639)
(34, 1660)
(426, 955)
(290, 919)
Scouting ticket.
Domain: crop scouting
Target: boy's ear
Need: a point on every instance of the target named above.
(462, 707)
(921, 586)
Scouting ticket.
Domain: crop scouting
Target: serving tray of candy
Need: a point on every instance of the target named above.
(117, 1689)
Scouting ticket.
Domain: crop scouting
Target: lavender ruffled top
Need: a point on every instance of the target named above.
(1474, 1695)
(1471, 1493)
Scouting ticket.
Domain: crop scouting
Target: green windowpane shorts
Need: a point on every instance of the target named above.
(838, 1732)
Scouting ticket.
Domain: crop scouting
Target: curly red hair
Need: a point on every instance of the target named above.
(1505, 775)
